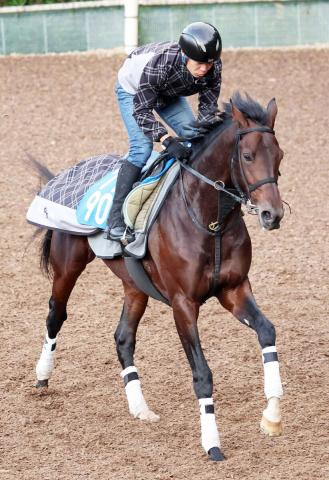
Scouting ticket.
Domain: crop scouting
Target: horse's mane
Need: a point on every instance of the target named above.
(209, 132)
(248, 106)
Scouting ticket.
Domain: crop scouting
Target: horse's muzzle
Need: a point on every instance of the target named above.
(270, 218)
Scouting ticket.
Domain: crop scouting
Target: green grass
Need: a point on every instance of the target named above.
(15, 3)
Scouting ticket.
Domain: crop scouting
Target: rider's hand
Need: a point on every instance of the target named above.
(175, 149)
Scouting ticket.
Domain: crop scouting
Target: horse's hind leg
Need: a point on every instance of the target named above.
(125, 337)
(241, 303)
(186, 313)
(69, 256)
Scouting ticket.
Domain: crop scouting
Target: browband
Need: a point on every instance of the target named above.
(243, 131)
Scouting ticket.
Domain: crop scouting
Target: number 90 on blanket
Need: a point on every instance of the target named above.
(95, 205)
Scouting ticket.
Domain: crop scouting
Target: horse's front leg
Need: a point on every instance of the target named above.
(186, 313)
(125, 337)
(241, 303)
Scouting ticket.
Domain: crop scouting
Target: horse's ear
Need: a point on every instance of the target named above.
(272, 110)
(238, 116)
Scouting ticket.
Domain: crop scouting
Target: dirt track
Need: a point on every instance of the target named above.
(61, 109)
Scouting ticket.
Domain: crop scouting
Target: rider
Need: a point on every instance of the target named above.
(157, 77)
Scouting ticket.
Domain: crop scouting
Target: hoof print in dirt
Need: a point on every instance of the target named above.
(216, 455)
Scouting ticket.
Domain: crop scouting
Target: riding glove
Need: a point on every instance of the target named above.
(175, 149)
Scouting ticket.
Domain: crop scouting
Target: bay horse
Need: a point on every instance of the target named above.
(191, 257)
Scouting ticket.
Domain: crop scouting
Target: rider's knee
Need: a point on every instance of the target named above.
(139, 154)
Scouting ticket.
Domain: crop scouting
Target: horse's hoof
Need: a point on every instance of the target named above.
(216, 455)
(42, 384)
(273, 429)
(149, 416)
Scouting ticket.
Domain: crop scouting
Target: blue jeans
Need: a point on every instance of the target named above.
(178, 115)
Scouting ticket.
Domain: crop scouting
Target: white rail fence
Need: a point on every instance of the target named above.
(123, 24)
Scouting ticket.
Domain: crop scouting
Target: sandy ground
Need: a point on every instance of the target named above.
(61, 109)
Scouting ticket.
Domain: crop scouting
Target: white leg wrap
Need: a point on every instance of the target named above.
(272, 380)
(136, 401)
(209, 432)
(45, 364)
(272, 411)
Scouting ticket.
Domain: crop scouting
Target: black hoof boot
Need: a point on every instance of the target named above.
(216, 455)
(42, 384)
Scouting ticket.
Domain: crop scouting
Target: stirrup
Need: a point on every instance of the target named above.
(128, 237)
(123, 235)
(106, 233)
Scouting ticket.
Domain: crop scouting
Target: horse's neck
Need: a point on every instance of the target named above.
(214, 163)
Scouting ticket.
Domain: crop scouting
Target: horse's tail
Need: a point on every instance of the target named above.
(45, 253)
(45, 175)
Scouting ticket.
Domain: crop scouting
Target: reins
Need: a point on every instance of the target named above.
(217, 184)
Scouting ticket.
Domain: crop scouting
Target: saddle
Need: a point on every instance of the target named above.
(139, 201)
(140, 210)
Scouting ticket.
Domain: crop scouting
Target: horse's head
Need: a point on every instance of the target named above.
(257, 158)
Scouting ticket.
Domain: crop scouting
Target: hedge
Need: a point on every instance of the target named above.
(13, 3)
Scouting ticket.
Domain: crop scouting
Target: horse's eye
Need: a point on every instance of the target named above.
(247, 156)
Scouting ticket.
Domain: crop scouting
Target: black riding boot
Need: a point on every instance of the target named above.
(127, 176)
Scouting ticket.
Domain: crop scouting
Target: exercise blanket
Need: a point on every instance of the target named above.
(55, 206)
(79, 199)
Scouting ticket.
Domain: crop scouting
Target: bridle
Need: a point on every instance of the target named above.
(236, 162)
(219, 185)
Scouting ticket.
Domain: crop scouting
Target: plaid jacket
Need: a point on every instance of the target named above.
(156, 74)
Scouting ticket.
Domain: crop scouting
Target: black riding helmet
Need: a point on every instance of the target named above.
(201, 42)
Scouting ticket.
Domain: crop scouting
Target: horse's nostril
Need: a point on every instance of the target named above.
(266, 216)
